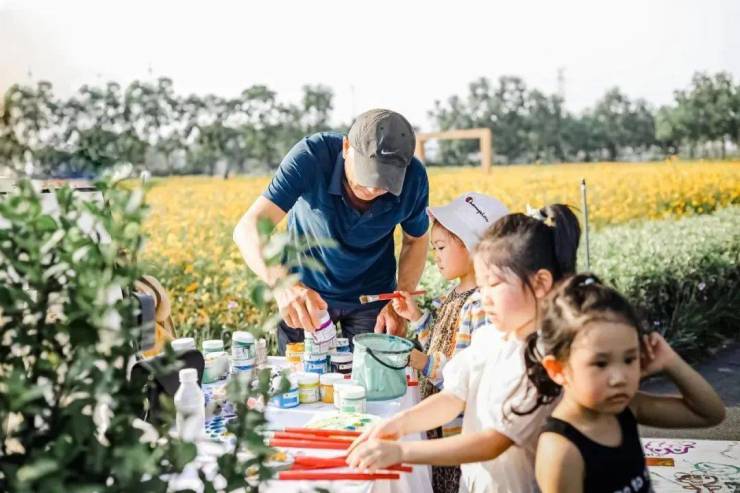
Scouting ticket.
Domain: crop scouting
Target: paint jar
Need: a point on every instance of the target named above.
(338, 387)
(216, 361)
(294, 356)
(243, 345)
(341, 363)
(290, 398)
(353, 399)
(326, 386)
(324, 337)
(308, 387)
(342, 345)
(183, 344)
(315, 363)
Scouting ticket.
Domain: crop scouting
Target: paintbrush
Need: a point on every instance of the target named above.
(369, 298)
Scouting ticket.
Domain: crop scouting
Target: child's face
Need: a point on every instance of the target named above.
(507, 302)
(450, 254)
(603, 369)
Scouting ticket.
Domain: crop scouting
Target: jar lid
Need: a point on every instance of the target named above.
(353, 392)
(213, 345)
(242, 336)
(315, 356)
(183, 344)
(341, 357)
(308, 378)
(331, 378)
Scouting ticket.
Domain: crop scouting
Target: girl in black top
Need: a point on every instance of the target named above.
(588, 348)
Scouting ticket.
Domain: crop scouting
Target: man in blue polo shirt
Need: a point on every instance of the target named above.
(353, 190)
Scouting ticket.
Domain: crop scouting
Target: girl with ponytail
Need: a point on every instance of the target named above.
(589, 348)
(517, 262)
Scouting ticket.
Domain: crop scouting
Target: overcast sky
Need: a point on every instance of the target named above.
(399, 54)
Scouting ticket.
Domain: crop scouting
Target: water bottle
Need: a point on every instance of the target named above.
(190, 406)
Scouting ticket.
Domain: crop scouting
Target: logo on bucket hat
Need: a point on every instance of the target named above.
(469, 216)
(384, 143)
(471, 201)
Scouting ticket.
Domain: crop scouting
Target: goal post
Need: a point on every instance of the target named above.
(484, 136)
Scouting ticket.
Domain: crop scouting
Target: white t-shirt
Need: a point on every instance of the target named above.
(485, 375)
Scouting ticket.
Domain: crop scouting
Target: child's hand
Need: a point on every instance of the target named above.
(406, 306)
(657, 354)
(389, 429)
(375, 454)
(418, 360)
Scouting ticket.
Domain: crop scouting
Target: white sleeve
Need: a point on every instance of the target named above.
(456, 374)
(522, 430)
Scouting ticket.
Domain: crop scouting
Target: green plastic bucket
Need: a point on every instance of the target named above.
(379, 365)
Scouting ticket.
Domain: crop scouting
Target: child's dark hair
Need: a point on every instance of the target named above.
(546, 239)
(576, 301)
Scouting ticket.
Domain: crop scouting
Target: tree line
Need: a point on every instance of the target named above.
(531, 126)
(150, 126)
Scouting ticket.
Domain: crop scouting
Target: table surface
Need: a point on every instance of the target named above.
(675, 465)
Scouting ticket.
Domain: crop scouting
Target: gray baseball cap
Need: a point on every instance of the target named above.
(384, 144)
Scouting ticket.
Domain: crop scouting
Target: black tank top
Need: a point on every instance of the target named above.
(618, 469)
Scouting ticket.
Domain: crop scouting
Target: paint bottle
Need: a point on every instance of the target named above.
(216, 361)
(308, 388)
(353, 399)
(324, 337)
(326, 386)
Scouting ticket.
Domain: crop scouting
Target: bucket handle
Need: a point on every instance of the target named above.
(370, 352)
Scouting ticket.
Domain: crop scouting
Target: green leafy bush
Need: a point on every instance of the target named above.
(68, 414)
(684, 275)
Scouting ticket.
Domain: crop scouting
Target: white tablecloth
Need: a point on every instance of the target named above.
(419, 481)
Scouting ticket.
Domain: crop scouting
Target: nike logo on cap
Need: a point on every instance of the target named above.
(386, 153)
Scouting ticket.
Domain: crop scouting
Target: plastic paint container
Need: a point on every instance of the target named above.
(315, 363)
(338, 387)
(290, 398)
(353, 399)
(343, 345)
(243, 345)
(326, 386)
(294, 355)
(341, 363)
(216, 361)
(183, 344)
(308, 387)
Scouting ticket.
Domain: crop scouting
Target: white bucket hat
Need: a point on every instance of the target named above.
(469, 216)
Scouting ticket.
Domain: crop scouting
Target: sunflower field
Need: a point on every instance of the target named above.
(191, 220)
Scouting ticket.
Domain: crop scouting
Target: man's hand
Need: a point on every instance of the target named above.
(390, 322)
(300, 306)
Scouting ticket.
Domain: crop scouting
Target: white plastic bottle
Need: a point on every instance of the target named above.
(190, 405)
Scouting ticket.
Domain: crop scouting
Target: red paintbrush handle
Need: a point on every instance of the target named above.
(309, 462)
(306, 436)
(315, 431)
(390, 296)
(334, 476)
(285, 442)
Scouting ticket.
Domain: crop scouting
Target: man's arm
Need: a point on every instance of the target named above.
(298, 305)
(410, 266)
(247, 238)
(411, 260)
